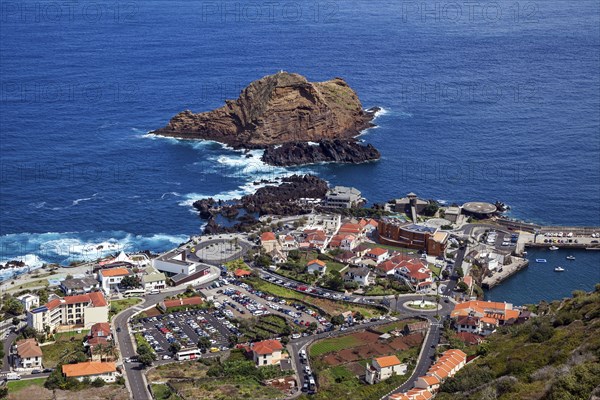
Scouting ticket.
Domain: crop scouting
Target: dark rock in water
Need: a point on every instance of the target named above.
(249, 155)
(275, 200)
(301, 153)
(501, 207)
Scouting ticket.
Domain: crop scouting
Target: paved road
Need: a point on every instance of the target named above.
(7, 344)
(134, 372)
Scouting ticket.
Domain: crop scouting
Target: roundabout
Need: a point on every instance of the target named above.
(422, 305)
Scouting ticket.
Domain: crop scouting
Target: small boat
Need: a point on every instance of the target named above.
(559, 269)
(553, 248)
(540, 260)
(570, 257)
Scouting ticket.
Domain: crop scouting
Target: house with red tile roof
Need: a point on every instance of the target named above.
(110, 279)
(267, 352)
(316, 267)
(482, 317)
(28, 354)
(100, 337)
(69, 312)
(268, 241)
(415, 272)
(107, 371)
(186, 301)
(382, 368)
(377, 254)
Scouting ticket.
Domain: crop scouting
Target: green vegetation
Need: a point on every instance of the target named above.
(15, 386)
(67, 348)
(144, 351)
(211, 379)
(340, 383)
(34, 284)
(264, 327)
(163, 392)
(333, 344)
(554, 356)
(237, 264)
(116, 306)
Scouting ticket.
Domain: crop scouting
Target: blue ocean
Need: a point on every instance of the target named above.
(481, 101)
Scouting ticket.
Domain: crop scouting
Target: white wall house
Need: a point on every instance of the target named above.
(29, 301)
(28, 354)
(267, 352)
(383, 367)
(110, 279)
(92, 370)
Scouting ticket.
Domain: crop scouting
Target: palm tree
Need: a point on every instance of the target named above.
(111, 351)
(98, 349)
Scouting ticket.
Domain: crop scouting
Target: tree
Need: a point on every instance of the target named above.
(460, 272)
(174, 347)
(98, 382)
(338, 319)
(313, 326)
(131, 282)
(204, 342)
(12, 306)
(3, 392)
(358, 316)
(462, 287)
(146, 359)
(232, 340)
(15, 321)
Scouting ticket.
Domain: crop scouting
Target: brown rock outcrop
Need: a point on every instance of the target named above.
(278, 109)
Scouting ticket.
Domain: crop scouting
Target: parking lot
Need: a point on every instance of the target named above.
(185, 328)
(238, 300)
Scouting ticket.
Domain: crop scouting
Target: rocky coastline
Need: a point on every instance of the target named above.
(282, 200)
(302, 153)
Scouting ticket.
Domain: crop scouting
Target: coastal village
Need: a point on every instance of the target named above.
(392, 297)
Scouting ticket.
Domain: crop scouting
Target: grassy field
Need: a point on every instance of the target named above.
(65, 343)
(333, 344)
(163, 392)
(436, 270)
(191, 380)
(32, 284)
(15, 386)
(116, 306)
(235, 264)
(329, 306)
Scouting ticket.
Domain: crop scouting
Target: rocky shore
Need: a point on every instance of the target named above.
(285, 109)
(339, 151)
(272, 200)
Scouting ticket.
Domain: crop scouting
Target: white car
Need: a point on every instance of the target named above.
(166, 357)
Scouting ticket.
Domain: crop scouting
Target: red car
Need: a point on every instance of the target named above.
(302, 288)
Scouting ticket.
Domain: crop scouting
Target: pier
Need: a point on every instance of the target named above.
(507, 271)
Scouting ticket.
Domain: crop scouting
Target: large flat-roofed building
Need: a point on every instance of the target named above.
(182, 266)
(80, 311)
(394, 232)
(79, 285)
(479, 209)
(343, 197)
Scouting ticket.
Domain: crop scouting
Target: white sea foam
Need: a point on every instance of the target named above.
(382, 111)
(39, 204)
(77, 201)
(170, 193)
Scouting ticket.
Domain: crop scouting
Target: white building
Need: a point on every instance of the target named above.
(154, 280)
(316, 267)
(359, 275)
(28, 354)
(267, 352)
(383, 367)
(343, 197)
(330, 223)
(29, 301)
(179, 261)
(110, 279)
(92, 370)
(81, 311)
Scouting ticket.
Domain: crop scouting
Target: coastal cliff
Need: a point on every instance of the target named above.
(278, 109)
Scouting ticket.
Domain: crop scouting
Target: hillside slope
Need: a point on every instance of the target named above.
(554, 356)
